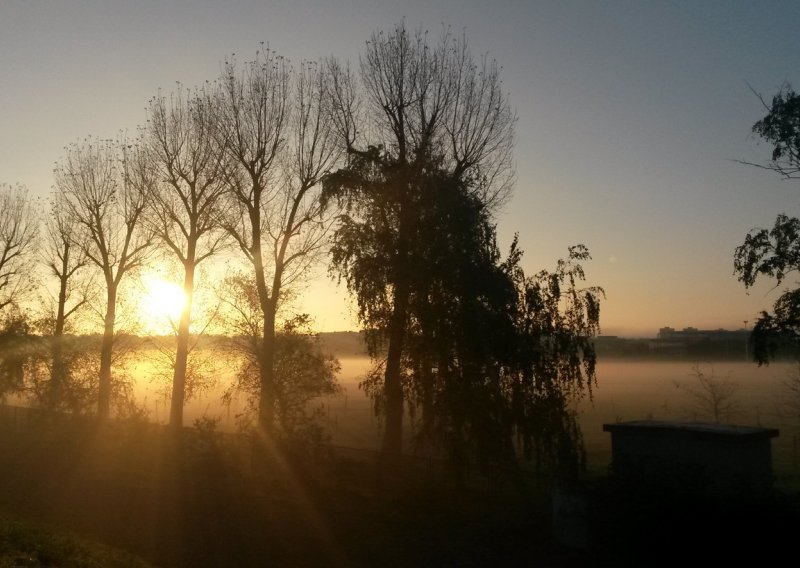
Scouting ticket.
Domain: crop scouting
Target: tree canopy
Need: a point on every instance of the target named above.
(419, 114)
(775, 253)
(781, 128)
(410, 156)
(484, 359)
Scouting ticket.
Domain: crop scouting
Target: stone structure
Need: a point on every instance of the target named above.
(709, 458)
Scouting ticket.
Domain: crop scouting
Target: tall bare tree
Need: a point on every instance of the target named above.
(186, 203)
(64, 256)
(275, 125)
(104, 185)
(418, 107)
(18, 233)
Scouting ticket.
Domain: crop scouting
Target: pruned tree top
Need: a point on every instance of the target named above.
(429, 104)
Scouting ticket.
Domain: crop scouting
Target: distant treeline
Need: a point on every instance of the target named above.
(338, 343)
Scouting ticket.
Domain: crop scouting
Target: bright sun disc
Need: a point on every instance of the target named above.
(161, 304)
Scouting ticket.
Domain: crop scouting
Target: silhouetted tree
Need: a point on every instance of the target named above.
(303, 371)
(274, 125)
(16, 350)
(18, 233)
(64, 256)
(494, 359)
(776, 252)
(554, 361)
(781, 128)
(104, 184)
(713, 398)
(418, 108)
(185, 204)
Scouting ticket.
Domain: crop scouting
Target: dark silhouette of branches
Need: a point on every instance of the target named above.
(781, 128)
(275, 127)
(775, 253)
(186, 200)
(18, 237)
(417, 110)
(104, 187)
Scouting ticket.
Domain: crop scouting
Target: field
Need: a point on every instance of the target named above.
(213, 499)
(625, 390)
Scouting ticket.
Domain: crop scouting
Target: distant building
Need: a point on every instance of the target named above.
(693, 342)
(688, 343)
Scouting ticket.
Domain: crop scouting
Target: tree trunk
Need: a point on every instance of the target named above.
(266, 401)
(58, 372)
(106, 348)
(428, 415)
(182, 352)
(392, 385)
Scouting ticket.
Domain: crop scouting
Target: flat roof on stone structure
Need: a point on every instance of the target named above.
(693, 429)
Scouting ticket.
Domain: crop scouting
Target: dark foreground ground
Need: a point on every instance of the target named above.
(206, 500)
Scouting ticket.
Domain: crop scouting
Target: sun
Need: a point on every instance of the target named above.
(160, 305)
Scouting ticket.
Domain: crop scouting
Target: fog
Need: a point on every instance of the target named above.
(625, 390)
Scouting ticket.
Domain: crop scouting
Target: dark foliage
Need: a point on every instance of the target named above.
(492, 359)
(304, 371)
(781, 128)
(775, 253)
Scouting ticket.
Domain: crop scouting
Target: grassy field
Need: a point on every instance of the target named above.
(210, 499)
(26, 543)
(214, 499)
(205, 499)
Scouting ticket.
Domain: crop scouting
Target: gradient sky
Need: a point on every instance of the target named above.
(631, 117)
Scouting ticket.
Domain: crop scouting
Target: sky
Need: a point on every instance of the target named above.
(632, 119)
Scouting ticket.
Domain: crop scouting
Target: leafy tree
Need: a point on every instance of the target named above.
(493, 359)
(488, 360)
(65, 376)
(18, 233)
(15, 349)
(556, 318)
(303, 371)
(775, 253)
(273, 124)
(418, 109)
(781, 128)
(104, 185)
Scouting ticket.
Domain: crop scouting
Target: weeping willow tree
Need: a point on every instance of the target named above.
(493, 360)
(418, 111)
(485, 358)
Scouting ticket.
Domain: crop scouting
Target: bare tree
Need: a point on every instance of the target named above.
(104, 186)
(712, 397)
(418, 108)
(64, 256)
(18, 233)
(275, 125)
(186, 202)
